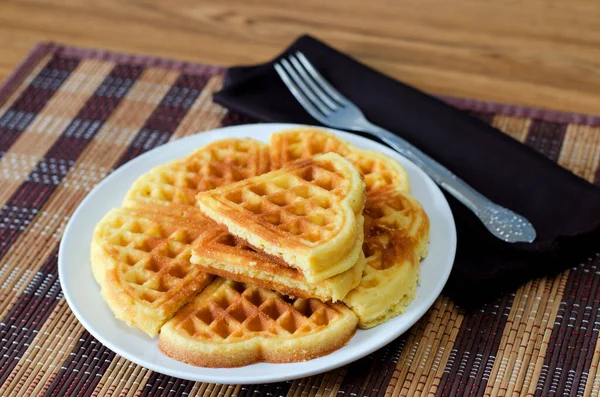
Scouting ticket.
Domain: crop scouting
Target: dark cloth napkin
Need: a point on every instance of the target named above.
(564, 208)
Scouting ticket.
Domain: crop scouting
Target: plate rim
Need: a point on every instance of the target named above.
(272, 377)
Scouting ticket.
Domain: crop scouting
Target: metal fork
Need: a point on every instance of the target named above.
(327, 105)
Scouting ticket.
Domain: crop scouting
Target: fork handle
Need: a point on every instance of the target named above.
(502, 222)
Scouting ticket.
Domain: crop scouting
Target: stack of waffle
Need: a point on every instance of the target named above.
(245, 252)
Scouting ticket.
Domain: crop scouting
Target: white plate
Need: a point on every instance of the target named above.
(83, 294)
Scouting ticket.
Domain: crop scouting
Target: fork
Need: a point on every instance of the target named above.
(328, 106)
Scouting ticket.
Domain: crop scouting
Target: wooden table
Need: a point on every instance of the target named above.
(543, 53)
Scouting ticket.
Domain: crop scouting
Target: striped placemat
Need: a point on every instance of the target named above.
(69, 116)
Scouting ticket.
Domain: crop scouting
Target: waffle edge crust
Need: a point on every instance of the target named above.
(232, 324)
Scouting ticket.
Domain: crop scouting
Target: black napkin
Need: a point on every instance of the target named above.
(564, 208)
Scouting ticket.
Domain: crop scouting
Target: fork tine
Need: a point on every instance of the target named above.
(297, 93)
(318, 90)
(335, 94)
(304, 88)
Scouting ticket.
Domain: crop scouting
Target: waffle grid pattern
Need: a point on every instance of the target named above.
(293, 202)
(179, 182)
(235, 311)
(156, 253)
(141, 253)
(378, 172)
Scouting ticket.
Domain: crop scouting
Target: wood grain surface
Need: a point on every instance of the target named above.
(543, 53)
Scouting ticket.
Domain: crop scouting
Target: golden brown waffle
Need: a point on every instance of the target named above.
(306, 213)
(140, 253)
(396, 239)
(396, 226)
(378, 170)
(231, 324)
(142, 261)
(221, 254)
(302, 143)
(176, 184)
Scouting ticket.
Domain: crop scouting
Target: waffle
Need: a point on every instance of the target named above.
(141, 260)
(221, 254)
(232, 324)
(396, 239)
(379, 171)
(174, 186)
(396, 226)
(306, 213)
(141, 252)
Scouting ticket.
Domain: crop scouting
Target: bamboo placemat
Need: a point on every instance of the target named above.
(69, 116)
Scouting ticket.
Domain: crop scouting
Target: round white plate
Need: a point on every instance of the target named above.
(83, 294)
